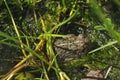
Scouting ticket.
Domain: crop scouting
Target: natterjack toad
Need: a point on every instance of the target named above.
(70, 48)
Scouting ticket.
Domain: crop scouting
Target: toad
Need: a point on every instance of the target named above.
(70, 48)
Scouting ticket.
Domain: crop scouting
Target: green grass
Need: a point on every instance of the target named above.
(30, 26)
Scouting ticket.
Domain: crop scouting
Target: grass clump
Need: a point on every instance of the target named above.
(29, 27)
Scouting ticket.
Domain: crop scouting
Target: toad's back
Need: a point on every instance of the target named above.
(70, 48)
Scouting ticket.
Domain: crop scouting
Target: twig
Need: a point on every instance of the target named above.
(10, 74)
(108, 71)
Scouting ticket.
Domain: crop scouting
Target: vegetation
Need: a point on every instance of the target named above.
(29, 27)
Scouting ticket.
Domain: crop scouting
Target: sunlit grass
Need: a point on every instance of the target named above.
(37, 46)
